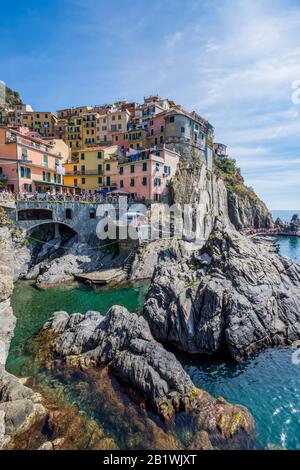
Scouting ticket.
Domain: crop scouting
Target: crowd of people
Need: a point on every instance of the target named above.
(95, 197)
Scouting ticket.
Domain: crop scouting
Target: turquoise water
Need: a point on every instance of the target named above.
(33, 307)
(268, 384)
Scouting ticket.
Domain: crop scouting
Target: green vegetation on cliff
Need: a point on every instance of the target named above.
(12, 97)
(234, 182)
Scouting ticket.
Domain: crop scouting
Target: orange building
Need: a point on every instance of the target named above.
(29, 164)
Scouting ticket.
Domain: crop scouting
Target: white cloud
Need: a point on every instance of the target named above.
(173, 39)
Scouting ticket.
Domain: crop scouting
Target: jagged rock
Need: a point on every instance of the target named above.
(279, 223)
(61, 270)
(246, 212)
(48, 445)
(7, 318)
(123, 342)
(242, 301)
(199, 188)
(148, 256)
(20, 406)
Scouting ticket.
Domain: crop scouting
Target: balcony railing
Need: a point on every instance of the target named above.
(83, 173)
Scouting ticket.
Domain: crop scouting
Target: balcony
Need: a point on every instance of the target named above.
(83, 173)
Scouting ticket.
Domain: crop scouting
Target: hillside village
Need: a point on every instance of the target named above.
(124, 147)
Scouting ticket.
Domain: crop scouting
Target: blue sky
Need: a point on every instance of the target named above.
(233, 61)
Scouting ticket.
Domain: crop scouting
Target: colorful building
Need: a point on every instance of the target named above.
(89, 128)
(147, 174)
(131, 139)
(74, 132)
(42, 122)
(93, 168)
(29, 164)
(78, 111)
(156, 129)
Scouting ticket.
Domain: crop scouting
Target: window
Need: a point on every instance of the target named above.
(116, 138)
(144, 166)
(25, 172)
(100, 169)
(132, 182)
(75, 169)
(144, 181)
(28, 188)
(68, 212)
(132, 167)
(107, 167)
(82, 180)
(161, 140)
(92, 213)
(45, 160)
(82, 169)
(119, 126)
(108, 180)
(172, 119)
(24, 153)
(99, 154)
(167, 169)
(155, 141)
(113, 118)
(161, 128)
(82, 157)
(182, 130)
(121, 170)
(119, 117)
(46, 116)
(157, 166)
(152, 132)
(75, 182)
(121, 184)
(113, 127)
(157, 182)
(100, 180)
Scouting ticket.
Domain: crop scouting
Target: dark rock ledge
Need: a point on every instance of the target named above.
(233, 296)
(123, 341)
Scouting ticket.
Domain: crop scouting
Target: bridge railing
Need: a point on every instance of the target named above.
(60, 198)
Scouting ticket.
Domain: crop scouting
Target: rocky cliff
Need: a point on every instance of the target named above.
(245, 209)
(231, 296)
(122, 341)
(19, 405)
(204, 193)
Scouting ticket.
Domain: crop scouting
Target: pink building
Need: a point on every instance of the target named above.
(147, 174)
(156, 129)
(131, 139)
(29, 164)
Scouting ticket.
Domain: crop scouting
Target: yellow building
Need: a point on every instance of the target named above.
(71, 112)
(92, 168)
(42, 122)
(74, 132)
(89, 129)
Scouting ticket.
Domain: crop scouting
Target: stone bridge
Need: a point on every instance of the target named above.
(81, 217)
